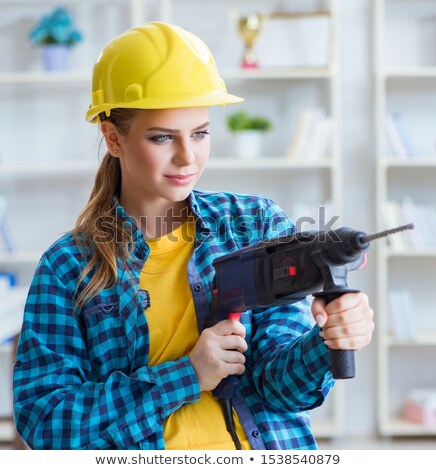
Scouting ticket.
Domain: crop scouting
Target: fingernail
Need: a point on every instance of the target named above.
(320, 320)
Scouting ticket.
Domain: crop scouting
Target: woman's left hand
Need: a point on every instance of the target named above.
(346, 322)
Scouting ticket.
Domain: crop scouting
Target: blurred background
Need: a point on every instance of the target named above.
(338, 124)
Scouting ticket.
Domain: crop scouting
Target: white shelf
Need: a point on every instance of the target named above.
(278, 73)
(401, 427)
(410, 252)
(325, 428)
(82, 168)
(16, 78)
(410, 163)
(265, 163)
(420, 340)
(410, 73)
(47, 169)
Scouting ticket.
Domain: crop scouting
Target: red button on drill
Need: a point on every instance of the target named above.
(235, 316)
(292, 271)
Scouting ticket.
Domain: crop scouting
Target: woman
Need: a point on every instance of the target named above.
(116, 349)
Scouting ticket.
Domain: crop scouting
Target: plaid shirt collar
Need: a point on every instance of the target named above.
(141, 249)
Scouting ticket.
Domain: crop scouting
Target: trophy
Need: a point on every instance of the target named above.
(249, 28)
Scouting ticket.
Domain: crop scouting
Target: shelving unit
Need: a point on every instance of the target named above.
(62, 157)
(405, 69)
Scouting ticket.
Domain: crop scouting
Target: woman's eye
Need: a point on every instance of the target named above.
(200, 135)
(161, 139)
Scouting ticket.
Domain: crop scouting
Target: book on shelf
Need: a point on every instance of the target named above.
(404, 133)
(402, 322)
(312, 140)
(394, 218)
(398, 136)
(6, 240)
(422, 215)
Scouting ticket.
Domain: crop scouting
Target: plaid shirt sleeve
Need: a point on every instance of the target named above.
(290, 363)
(58, 402)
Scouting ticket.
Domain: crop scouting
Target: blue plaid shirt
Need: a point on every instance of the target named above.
(82, 379)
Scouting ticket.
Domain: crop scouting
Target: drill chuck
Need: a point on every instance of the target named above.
(344, 245)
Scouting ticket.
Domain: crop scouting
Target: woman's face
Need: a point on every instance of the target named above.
(164, 154)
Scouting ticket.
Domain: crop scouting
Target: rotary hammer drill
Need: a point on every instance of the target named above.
(283, 271)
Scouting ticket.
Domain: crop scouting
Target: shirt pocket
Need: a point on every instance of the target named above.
(106, 339)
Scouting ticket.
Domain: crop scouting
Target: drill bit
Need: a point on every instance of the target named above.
(385, 233)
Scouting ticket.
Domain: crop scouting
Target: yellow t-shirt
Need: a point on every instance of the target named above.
(173, 334)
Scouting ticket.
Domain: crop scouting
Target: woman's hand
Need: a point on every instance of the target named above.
(219, 353)
(346, 322)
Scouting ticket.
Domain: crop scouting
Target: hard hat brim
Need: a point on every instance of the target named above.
(210, 99)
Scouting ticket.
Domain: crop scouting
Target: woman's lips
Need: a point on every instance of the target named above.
(180, 180)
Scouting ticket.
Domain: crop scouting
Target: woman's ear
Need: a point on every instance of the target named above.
(112, 138)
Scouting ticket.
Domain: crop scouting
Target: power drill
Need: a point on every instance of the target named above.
(283, 271)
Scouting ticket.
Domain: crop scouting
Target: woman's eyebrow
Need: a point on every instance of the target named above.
(176, 131)
(201, 127)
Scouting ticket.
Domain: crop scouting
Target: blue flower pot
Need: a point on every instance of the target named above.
(55, 57)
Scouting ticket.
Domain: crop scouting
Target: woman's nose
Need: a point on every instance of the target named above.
(184, 155)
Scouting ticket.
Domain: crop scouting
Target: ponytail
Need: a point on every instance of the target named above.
(98, 232)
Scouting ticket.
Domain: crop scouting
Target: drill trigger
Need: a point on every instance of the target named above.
(235, 316)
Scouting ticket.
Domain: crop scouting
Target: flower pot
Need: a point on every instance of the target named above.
(248, 144)
(55, 57)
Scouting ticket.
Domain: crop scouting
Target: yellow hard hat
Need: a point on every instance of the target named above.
(156, 66)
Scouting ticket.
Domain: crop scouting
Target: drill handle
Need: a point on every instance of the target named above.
(226, 389)
(342, 361)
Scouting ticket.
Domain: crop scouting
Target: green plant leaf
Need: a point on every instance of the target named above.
(241, 121)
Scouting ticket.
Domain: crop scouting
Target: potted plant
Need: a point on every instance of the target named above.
(55, 34)
(248, 132)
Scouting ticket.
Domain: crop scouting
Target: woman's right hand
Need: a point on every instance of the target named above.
(219, 353)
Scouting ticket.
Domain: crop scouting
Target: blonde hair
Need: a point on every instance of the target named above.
(98, 231)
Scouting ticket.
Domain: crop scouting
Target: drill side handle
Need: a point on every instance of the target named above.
(342, 361)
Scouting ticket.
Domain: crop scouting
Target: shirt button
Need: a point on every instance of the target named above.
(198, 287)
(255, 433)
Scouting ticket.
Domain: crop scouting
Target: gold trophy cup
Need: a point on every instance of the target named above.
(249, 28)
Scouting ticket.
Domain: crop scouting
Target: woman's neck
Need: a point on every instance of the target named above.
(156, 220)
